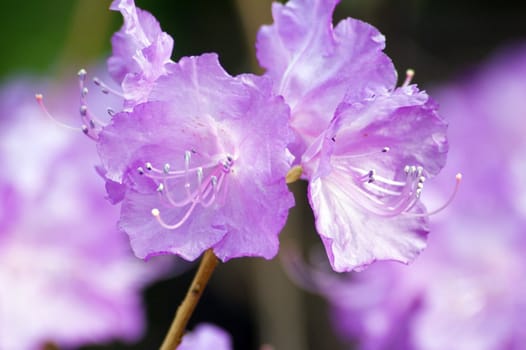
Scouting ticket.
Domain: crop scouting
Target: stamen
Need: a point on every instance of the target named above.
(40, 101)
(82, 74)
(83, 110)
(93, 124)
(105, 89)
(409, 74)
(386, 197)
(157, 214)
(458, 179)
(188, 187)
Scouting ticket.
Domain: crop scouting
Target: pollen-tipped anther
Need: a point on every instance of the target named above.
(82, 73)
(409, 74)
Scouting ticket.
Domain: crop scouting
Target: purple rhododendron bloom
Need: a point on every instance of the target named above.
(141, 52)
(207, 157)
(365, 146)
(202, 162)
(206, 336)
(67, 274)
(467, 290)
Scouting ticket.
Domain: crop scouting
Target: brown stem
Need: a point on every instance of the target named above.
(184, 311)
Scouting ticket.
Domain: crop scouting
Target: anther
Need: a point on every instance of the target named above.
(82, 74)
(386, 149)
(148, 166)
(84, 92)
(409, 74)
(166, 168)
(160, 188)
(140, 170)
(105, 89)
(110, 111)
(371, 174)
(83, 110)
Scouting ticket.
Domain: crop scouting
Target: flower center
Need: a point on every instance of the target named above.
(190, 186)
(388, 197)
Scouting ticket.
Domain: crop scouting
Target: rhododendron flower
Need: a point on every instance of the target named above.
(365, 147)
(206, 336)
(67, 274)
(206, 155)
(199, 159)
(467, 290)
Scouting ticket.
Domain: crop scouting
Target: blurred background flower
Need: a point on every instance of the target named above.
(252, 299)
(67, 276)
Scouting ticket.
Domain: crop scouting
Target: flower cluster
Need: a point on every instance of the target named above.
(199, 158)
(467, 290)
(68, 277)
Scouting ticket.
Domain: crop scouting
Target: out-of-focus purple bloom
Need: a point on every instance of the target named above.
(467, 290)
(141, 52)
(67, 275)
(365, 147)
(206, 336)
(207, 157)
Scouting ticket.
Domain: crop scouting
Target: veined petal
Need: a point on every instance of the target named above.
(372, 167)
(405, 121)
(354, 237)
(315, 65)
(140, 51)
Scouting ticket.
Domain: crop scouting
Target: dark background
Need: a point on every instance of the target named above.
(252, 298)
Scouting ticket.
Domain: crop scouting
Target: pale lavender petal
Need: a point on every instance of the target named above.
(355, 237)
(315, 65)
(141, 51)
